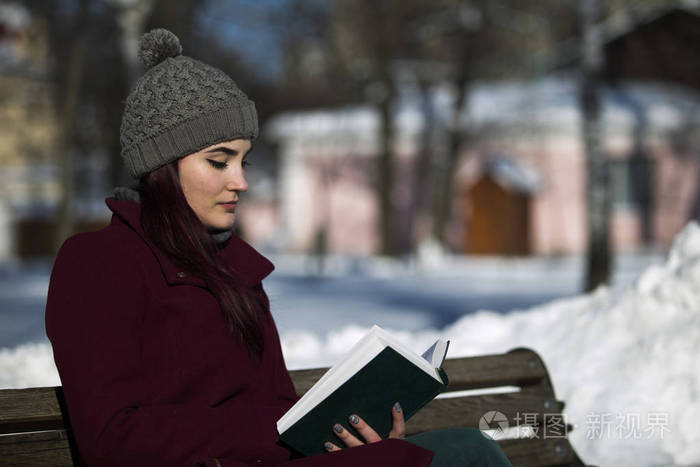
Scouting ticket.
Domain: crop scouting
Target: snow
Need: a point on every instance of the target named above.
(624, 358)
(28, 365)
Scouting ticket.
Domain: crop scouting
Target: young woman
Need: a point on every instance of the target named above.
(161, 330)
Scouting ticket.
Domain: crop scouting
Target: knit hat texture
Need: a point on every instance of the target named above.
(179, 106)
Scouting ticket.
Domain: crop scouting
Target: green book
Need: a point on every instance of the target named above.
(377, 372)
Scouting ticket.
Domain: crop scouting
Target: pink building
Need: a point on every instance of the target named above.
(328, 157)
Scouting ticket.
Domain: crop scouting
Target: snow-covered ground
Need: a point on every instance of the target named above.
(625, 359)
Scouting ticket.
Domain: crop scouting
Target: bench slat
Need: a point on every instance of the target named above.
(304, 379)
(31, 409)
(36, 449)
(37, 409)
(538, 452)
(518, 368)
(467, 411)
(53, 448)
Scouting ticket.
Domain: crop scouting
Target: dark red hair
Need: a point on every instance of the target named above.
(173, 226)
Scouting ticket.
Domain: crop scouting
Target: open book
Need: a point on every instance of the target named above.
(377, 372)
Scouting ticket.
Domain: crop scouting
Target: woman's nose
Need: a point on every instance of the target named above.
(237, 182)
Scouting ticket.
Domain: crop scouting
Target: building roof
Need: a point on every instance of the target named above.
(512, 175)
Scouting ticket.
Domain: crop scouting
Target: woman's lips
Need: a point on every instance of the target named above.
(229, 206)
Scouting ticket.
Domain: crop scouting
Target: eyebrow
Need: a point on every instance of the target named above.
(225, 150)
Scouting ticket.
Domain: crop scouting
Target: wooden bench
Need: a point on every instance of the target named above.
(35, 431)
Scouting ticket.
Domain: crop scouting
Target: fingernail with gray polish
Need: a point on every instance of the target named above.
(354, 419)
(328, 446)
(338, 428)
(397, 407)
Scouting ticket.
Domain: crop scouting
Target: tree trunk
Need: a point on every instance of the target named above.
(419, 194)
(598, 264)
(385, 182)
(446, 168)
(131, 18)
(68, 113)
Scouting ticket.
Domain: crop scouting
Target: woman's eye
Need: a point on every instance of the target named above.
(217, 164)
(245, 163)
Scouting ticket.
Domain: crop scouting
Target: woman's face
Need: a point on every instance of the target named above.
(212, 179)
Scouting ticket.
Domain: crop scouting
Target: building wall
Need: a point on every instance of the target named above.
(676, 184)
(536, 124)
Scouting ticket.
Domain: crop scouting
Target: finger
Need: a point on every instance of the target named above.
(330, 447)
(399, 428)
(345, 436)
(366, 431)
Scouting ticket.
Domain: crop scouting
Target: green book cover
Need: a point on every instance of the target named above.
(370, 393)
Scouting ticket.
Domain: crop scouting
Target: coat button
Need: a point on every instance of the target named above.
(181, 274)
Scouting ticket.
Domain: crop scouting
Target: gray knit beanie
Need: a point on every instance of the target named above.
(179, 106)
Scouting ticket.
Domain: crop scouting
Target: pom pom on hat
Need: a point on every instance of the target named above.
(157, 45)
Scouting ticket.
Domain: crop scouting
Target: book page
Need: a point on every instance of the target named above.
(436, 353)
(428, 354)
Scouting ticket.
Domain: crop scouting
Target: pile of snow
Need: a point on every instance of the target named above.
(28, 365)
(625, 360)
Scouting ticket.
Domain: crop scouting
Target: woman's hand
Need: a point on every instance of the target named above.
(367, 432)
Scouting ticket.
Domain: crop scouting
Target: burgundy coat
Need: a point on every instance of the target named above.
(150, 372)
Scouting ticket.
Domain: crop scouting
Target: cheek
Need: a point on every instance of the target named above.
(198, 186)
(211, 184)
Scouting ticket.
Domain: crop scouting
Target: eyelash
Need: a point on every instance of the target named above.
(222, 165)
(217, 165)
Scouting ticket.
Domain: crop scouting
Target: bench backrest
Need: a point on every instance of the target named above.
(34, 428)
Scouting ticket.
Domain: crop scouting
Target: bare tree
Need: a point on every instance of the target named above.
(372, 36)
(68, 108)
(474, 40)
(131, 19)
(598, 263)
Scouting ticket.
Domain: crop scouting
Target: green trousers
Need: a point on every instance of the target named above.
(461, 447)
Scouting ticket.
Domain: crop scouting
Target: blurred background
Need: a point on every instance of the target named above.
(509, 127)
(561, 137)
(552, 143)
(501, 172)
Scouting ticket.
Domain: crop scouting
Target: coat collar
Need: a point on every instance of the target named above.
(251, 266)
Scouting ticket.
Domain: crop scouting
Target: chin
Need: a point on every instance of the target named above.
(224, 225)
(218, 224)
